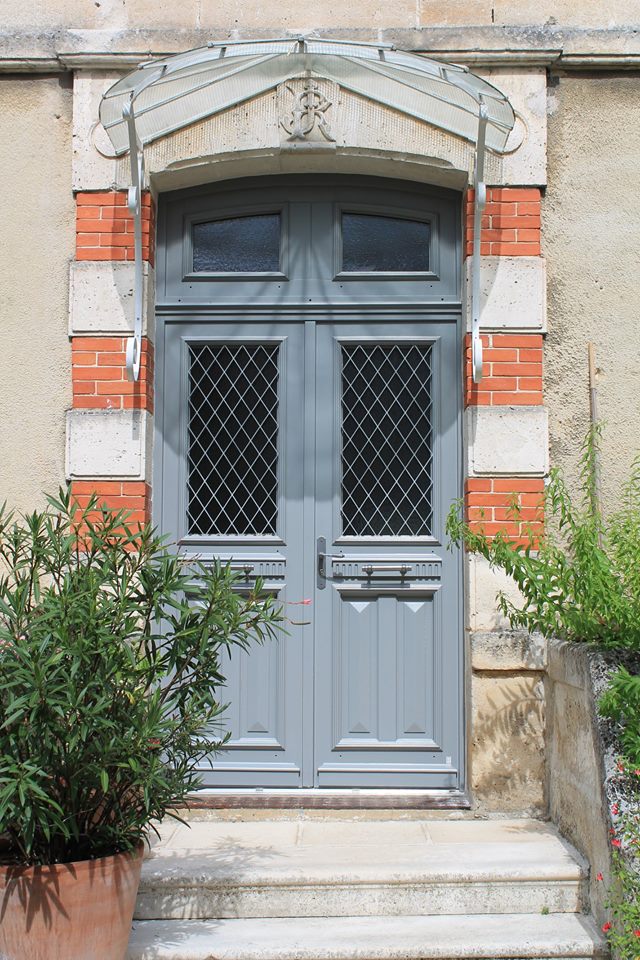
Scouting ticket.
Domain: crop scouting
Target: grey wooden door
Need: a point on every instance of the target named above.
(308, 433)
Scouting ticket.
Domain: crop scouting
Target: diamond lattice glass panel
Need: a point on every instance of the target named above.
(388, 244)
(233, 439)
(387, 440)
(237, 245)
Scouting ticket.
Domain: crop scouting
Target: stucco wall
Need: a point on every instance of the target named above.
(229, 15)
(37, 230)
(591, 239)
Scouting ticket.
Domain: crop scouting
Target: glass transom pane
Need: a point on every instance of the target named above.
(237, 245)
(384, 244)
(233, 440)
(387, 440)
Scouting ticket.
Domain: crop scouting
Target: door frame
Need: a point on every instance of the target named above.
(411, 310)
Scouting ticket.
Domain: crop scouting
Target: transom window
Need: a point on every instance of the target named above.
(374, 244)
(237, 245)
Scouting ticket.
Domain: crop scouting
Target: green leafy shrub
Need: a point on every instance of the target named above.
(111, 652)
(580, 582)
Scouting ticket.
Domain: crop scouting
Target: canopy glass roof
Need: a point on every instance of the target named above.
(174, 92)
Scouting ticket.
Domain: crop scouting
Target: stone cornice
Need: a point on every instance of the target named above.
(490, 46)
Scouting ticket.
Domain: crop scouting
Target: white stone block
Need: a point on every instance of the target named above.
(507, 441)
(482, 588)
(527, 92)
(93, 165)
(513, 293)
(114, 444)
(101, 298)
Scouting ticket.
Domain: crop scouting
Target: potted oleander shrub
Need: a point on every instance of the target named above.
(111, 668)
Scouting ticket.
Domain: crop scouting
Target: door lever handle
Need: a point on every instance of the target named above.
(402, 568)
(322, 557)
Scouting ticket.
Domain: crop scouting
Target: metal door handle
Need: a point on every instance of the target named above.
(322, 557)
(402, 568)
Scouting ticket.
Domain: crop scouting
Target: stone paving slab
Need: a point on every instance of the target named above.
(517, 937)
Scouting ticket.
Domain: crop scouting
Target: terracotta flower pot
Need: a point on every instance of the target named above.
(69, 911)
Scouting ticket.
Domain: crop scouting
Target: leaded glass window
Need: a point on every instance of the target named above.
(233, 440)
(387, 440)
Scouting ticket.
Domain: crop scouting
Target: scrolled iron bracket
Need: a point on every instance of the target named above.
(134, 203)
(479, 203)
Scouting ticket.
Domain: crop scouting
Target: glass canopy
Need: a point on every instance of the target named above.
(172, 93)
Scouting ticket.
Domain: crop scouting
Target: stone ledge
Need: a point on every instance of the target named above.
(508, 650)
(507, 441)
(513, 293)
(101, 298)
(109, 444)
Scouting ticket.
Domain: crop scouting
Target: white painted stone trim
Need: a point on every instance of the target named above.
(101, 298)
(91, 170)
(527, 92)
(513, 294)
(109, 444)
(507, 441)
(483, 583)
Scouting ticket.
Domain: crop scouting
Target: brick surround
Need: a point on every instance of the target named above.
(489, 505)
(104, 227)
(134, 496)
(510, 222)
(99, 375)
(512, 371)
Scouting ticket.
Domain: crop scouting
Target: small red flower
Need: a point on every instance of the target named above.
(599, 877)
(616, 843)
(620, 767)
(615, 809)
(636, 933)
(637, 773)
(153, 743)
(606, 927)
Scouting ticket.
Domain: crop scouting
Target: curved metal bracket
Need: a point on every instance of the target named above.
(479, 203)
(134, 203)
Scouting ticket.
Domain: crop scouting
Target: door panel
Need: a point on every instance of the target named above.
(387, 608)
(232, 444)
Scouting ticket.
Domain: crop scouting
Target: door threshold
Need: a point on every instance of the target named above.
(327, 799)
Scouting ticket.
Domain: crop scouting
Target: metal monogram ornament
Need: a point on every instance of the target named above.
(309, 112)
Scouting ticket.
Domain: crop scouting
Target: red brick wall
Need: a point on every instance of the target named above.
(489, 507)
(104, 227)
(134, 496)
(512, 370)
(99, 376)
(510, 222)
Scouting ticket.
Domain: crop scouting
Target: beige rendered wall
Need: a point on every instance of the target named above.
(36, 245)
(591, 237)
(229, 15)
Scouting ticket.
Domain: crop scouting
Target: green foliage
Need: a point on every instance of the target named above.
(582, 581)
(111, 652)
(623, 931)
(621, 703)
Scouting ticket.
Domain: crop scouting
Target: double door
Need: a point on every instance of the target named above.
(322, 457)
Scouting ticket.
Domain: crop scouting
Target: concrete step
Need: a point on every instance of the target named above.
(369, 938)
(289, 869)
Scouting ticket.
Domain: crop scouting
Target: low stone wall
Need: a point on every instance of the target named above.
(507, 723)
(575, 753)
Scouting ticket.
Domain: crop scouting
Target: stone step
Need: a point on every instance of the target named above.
(292, 869)
(512, 936)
